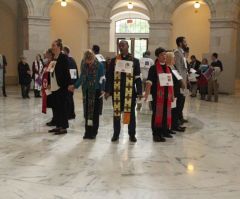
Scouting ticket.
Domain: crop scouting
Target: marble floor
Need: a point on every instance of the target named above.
(202, 163)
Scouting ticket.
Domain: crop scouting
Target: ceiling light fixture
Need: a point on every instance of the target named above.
(63, 3)
(130, 5)
(197, 5)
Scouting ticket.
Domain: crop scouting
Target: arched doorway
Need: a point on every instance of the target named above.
(194, 25)
(75, 31)
(131, 25)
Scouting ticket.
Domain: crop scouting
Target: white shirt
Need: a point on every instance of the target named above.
(53, 79)
(145, 64)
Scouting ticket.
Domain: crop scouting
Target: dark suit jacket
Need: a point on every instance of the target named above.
(62, 72)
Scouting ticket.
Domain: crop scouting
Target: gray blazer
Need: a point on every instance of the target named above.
(180, 64)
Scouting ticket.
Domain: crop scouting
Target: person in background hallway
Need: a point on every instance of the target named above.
(162, 96)
(37, 69)
(74, 76)
(145, 63)
(24, 74)
(181, 65)
(202, 81)
(194, 66)
(124, 87)
(177, 81)
(60, 80)
(3, 65)
(92, 80)
(213, 85)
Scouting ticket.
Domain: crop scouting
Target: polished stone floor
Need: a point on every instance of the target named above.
(202, 163)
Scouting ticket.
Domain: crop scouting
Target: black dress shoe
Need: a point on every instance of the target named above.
(167, 135)
(184, 121)
(51, 123)
(171, 132)
(54, 130)
(61, 131)
(89, 137)
(115, 138)
(179, 129)
(158, 139)
(132, 138)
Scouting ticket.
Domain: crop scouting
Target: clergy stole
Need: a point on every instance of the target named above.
(44, 90)
(90, 78)
(160, 100)
(128, 94)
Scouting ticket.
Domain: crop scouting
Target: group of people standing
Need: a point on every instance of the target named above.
(161, 83)
(204, 76)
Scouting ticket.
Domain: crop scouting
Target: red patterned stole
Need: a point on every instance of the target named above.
(160, 99)
(44, 88)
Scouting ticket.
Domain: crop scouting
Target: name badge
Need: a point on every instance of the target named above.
(124, 66)
(73, 73)
(100, 58)
(165, 79)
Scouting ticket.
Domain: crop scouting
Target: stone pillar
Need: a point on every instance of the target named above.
(38, 37)
(99, 33)
(160, 34)
(223, 40)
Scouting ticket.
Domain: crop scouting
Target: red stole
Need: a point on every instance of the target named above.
(44, 88)
(160, 100)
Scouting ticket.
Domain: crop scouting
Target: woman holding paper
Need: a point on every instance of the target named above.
(92, 80)
(160, 85)
(202, 81)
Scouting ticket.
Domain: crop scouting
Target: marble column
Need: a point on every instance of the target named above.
(224, 37)
(160, 34)
(99, 33)
(38, 33)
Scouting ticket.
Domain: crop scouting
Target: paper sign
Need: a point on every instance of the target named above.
(185, 92)
(174, 103)
(73, 73)
(165, 79)
(124, 66)
(192, 70)
(100, 58)
(177, 75)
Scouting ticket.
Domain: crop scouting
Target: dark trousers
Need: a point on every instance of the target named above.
(60, 108)
(4, 86)
(175, 123)
(159, 131)
(93, 130)
(71, 106)
(54, 115)
(25, 90)
(131, 126)
(180, 106)
(36, 93)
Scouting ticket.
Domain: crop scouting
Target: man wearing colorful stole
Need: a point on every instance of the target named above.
(124, 87)
(162, 95)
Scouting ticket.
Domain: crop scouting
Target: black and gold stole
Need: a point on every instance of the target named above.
(128, 94)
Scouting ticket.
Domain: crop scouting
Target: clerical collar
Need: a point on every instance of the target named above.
(162, 64)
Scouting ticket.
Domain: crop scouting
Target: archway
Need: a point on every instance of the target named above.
(131, 25)
(194, 25)
(75, 31)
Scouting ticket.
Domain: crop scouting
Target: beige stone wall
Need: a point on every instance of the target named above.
(8, 37)
(194, 26)
(70, 24)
